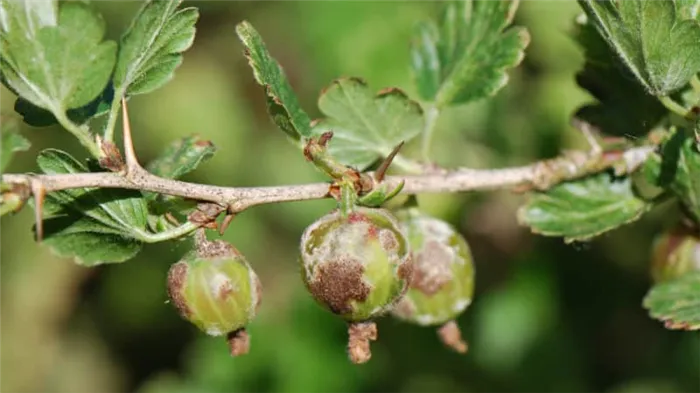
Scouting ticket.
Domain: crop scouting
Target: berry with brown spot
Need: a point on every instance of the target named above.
(443, 279)
(675, 253)
(215, 288)
(357, 266)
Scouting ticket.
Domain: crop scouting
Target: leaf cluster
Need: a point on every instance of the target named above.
(641, 65)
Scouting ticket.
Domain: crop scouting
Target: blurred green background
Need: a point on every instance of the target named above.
(546, 316)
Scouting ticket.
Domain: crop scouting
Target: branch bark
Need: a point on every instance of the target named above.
(129, 174)
(540, 176)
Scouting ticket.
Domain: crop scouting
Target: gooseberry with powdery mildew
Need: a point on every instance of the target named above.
(215, 288)
(357, 266)
(443, 279)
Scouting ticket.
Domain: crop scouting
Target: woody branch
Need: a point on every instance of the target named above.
(539, 176)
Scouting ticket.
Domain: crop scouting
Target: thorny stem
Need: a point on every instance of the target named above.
(431, 116)
(540, 175)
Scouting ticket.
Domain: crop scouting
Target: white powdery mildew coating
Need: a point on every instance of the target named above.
(220, 283)
(378, 310)
(434, 261)
(442, 232)
(429, 319)
(425, 319)
(214, 331)
(344, 238)
(437, 229)
(252, 281)
(461, 304)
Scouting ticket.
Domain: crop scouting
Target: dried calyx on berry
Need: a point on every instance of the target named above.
(357, 266)
(674, 253)
(215, 288)
(443, 278)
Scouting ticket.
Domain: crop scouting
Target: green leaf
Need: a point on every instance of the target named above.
(676, 302)
(651, 38)
(678, 168)
(366, 126)
(38, 117)
(582, 209)
(121, 210)
(28, 16)
(11, 142)
(55, 62)
(94, 226)
(688, 9)
(151, 49)
(624, 107)
(465, 57)
(89, 242)
(282, 104)
(181, 157)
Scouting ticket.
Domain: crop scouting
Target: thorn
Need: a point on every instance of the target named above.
(225, 223)
(39, 193)
(131, 161)
(381, 171)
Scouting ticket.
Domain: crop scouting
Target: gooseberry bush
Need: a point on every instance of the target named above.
(376, 254)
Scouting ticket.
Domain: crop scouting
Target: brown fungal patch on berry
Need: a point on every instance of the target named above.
(433, 268)
(388, 240)
(355, 217)
(223, 289)
(407, 270)
(176, 286)
(339, 282)
(216, 248)
(372, 232)
(404, 308)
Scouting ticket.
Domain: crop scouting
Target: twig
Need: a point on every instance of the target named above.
(540, 175)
